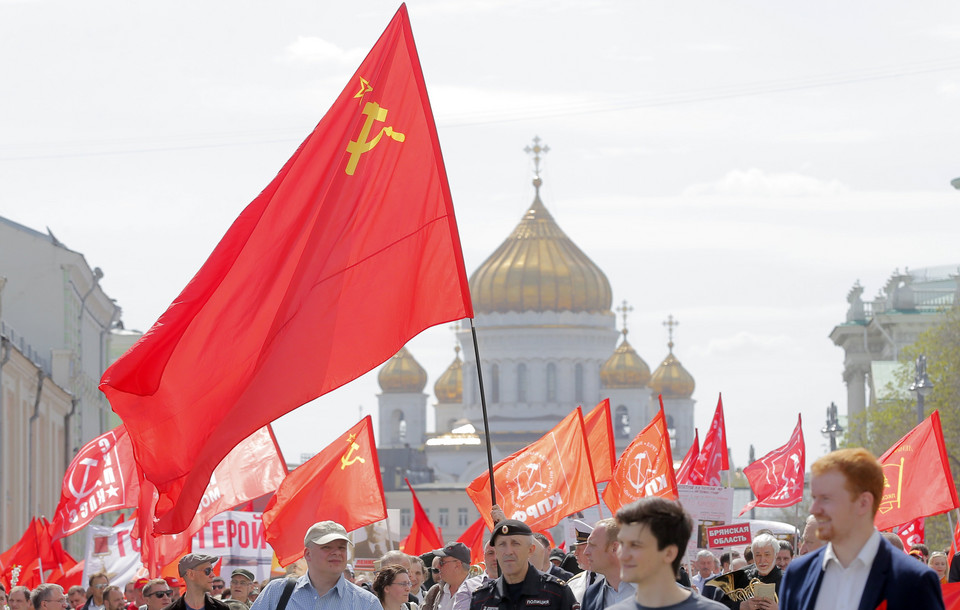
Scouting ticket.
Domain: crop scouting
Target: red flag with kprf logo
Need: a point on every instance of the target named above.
(713, 455)
(599, 429)
(543, 482)
(777, 478)
(347, 254)
(686, 466)
(341, 483)
(917, 480)
(645, 468)
(101, 478)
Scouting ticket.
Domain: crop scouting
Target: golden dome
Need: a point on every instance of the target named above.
(671, 379)
(402, 373)
(539, 268)
(625, 368)
(449, 388)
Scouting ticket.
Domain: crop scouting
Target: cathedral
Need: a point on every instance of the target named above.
(548, 342)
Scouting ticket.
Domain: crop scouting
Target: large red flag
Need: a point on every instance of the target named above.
(917, 480)
(543, 482)
(282, 311)
(951, 595)
(341, 483)
(101, 478)
(473, 537)
(645, 468)
(777, 478)
(252, 469)
(599, 428)
(713, 455)
(686, 466)
(423, 536)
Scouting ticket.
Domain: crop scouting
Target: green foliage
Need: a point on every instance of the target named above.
(882, 425)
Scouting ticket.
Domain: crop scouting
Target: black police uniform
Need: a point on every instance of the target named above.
(538, 590)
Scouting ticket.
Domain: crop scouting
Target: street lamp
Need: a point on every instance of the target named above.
(921, 385)
(833, 429)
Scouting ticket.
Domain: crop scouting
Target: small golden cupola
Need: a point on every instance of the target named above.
(402, 373)
(671, 379)
(625, 368)
(538, 268)
(449, 387)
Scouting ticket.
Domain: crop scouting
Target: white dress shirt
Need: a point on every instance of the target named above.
(842, 588)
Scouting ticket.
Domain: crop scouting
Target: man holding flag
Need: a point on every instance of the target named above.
(857, 568)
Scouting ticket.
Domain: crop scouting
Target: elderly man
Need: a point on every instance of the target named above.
(454, 564)
(744, 593)
(601, 551)
(857, 568)
(323, 587)
(241, 584)
(809, 541)
(19, 598)
(461, 601)
(49, 597)
(520, 584)
(583, 577)
(705, 569)
(157, 594)
(76, 596)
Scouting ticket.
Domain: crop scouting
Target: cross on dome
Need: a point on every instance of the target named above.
(537, 150)
(670, 324)
(623, 310)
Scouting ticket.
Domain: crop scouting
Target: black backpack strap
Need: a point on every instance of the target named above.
(287, 592)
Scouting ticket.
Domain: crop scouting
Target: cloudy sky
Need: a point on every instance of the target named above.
(738, 165)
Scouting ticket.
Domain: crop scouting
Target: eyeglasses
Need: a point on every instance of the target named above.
(434, 570)
(207, 571)
(219, 585)
(101, 586)
(238, 582)
(159, 594)
(405, 584)
(62, 600)
(443, 563)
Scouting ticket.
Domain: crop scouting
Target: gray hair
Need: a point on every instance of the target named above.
(705, 553)
(765, 540)
(41, 593)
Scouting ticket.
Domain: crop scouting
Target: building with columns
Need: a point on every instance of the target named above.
(548, 342)
(875, 331)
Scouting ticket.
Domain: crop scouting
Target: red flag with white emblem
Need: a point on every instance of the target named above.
(777, 478)
(645, 468)
(543, 482)
(912, 533)
(346, 255)
(101, 478)
(713, 455)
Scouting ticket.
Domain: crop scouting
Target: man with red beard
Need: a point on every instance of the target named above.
(857, 568)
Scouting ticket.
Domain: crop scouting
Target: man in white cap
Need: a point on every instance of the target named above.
(196, 570)
(323, 587)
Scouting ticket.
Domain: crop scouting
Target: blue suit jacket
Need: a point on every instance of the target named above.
(901, 580)
(593, 596)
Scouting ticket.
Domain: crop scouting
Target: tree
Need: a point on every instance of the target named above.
(885, 423)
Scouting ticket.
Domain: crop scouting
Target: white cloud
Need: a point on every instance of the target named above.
(740, 341)
(949, 88)
(316, 50)
(757, 183)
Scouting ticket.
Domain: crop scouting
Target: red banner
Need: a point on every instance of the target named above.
(645, 468)
(777, 478)
(544, 482)
(725, 536)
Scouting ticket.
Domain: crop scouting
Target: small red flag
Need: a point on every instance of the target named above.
(917, 480)
(911, 533)
(34, 549)
(101, 478)
(713, 455)
(341, 483)
(423, 536)
(645, 468)
(281, 312)
(777, 478)
(543, 482)
(603, 453)
(686, 466)
(473, 538)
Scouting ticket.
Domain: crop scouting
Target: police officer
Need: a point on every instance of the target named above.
(520, 584)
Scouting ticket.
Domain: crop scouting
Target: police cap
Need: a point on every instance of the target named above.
(510, 527)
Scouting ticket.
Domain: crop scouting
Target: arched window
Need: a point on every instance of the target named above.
(398, 427)
(551, 382)
(578, 383)
(621, 422)
(495, 383)
(402, 431)
(521, 382)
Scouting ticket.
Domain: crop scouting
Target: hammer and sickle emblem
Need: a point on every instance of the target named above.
(84, 491)
(373, 112)
(347, 460)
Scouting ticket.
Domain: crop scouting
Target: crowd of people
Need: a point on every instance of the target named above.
(630, 562)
